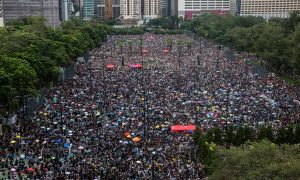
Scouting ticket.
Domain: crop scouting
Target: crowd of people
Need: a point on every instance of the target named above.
(114, 123)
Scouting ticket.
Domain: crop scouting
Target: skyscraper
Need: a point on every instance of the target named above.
(152, 9)
(131, 9)
(1, 14)
(88, 11)
(169, 8)
(190, 8)
(65, 10)
(107, 9)
(16, 9)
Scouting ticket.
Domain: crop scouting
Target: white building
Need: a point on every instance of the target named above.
(233, 7)
(131, 9)
(152, 9)
(1, 14)
(269, 8)
(66, 9)
(191, 8)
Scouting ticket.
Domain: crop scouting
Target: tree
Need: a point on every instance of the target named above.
(240, 136)
(229, 135)
(129, 42)
(297, 134)
(217, 138)
(31, 53)
(249, 133)
(18, 77)
(258, 160)
(169, 42)
(280, 139)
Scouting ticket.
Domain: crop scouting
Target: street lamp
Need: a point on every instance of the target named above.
(24, 100)
(226, 122)
(153, 169)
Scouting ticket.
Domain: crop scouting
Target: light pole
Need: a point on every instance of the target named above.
(153, 168)
(226, 122)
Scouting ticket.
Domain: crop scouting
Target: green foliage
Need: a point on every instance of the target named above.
(265, 133)
(130, 31)
(263, 160)
(167, 31)
(171, 22)
(276, 41)
(31, 53)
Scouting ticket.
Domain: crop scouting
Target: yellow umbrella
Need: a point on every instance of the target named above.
(18, 136)
(12, 142)
(136, 139)
(157, 126)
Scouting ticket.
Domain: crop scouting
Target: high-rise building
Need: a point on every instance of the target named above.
(65, 10)
(233, 7)
(88, 10)
(152, 9)
(107, 9)
(169, 8)
(131, 9)
(191, 8)
(269, 8)
(1, 14)
(16, 9)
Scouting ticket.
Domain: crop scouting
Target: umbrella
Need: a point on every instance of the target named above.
(126, 134)
(31, 170)
(66, 145)
(139, 66)
(110, 66)
(13, 170)
(132, 65)
(12, 142)
(136, 139)
(166, 50)
(80, 147)
(145, 51)
(18, 137)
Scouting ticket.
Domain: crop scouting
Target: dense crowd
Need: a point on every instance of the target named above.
(114, 123)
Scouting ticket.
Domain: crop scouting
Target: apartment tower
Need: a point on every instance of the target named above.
(152, 9)
(191, 8)
(16, 9)
(131, 9)
(269, 8)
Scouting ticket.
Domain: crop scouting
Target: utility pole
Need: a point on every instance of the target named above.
(226, 122)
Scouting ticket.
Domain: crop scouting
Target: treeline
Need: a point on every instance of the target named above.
(171, 22)
(256, 160)
(167, 31)
(207, 143)
(31, 53)
(130, 31)
(276, 41)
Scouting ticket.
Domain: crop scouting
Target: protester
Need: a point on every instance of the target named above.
(114, 122)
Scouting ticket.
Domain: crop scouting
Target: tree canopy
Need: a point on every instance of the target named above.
(31, 53)
(258, 160)
(276, 41)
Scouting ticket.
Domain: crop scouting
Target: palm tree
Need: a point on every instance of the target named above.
(179, 43)
(129, 42)
(189, 44)
(140, 43)
(120, 44)
(169, 42)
